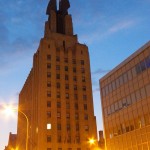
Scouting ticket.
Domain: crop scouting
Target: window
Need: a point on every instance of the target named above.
(69, 141)
(48, 66)
(83, 78)
(66, 68)
(82, 62)
(74, 78)
(48, 57)
(48, 84)
(48, 94)
(67, 86)
(67, 95)
(73, 61)
(84, 97)
(48, 114)
(57, 76)
(85, 106)
(59, 139)
(58, 95)
(57, 58)
(76, 106)
(48, 103)
(68, 115)
(58, 115)
(78, 148)
(143, 65)
(49, 46)
(48, 148)
(147, 62)
(76, 116)
(49, 126)
(82, 70)
(86, 116)
(66, 77)
(57, 67)
(48, 138)
(58, 85)
(67, 105)
(58, 126)
(75, 96)
(84, 88)
(66, 60)
(58, 104)
(74, 70)
(86, 128)
(77, 127)
(68, 126)
(48, 74)
(59, 148)
(77, 139)
(75, 87)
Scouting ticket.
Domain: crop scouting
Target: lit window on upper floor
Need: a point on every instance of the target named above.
(48, 93)
(48, 114)
(66, 60)
(48, 66)
(48, 74)
(66, 68)
(73, 61)
(58, 115)
(48, 84)
(57, 58)
(48, 103)
(82, 62)
(48, 57)
(49, 126)
(67, 95)
(48, 138)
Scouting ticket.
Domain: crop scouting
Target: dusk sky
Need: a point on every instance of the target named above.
(112, 29)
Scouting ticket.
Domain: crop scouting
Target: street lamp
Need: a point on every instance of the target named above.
(8, 110)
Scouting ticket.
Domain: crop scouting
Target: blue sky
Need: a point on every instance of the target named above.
(112, 29)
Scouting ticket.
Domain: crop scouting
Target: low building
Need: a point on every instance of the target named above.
(101, 141)
(125, 97)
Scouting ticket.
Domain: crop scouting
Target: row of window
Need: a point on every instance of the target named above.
(59, 105)
(127, 76)
(65, 60)
(127, 101)
(58, 95)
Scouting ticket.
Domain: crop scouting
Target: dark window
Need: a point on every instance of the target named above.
(48, 103)
(74, 78)
(84, 97)
(67, 105)
(76, 106)
(66, 60)
(57, 67)
(75, 87)
(75, 96)
(58, 95)
(84, 88)
(74, 70)
(77, 127)
(48, 114)
(85, 106)
(48, 74)
(48, 138)
(86, 116)
(82, 62)
(57, 76)
(77, 140)
(67, 86)
(83, 79)
(58, 126)
(66, 77)
(76, 116)
(74, 61)
(58, 105)
(59, 139)
(58, 115)
(57, 58)
(66, 68)
(68, 115)
(68, 127)
(82, 70)
(67, 95)
(58, 85)
(59, 148)
(49, 46)
(48, 57)
(48, 84)
(48, 148)
(48, 93)
(48, 66)
(86, 128)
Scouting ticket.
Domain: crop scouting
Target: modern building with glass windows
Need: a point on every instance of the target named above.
(57, 95)
(125, 98)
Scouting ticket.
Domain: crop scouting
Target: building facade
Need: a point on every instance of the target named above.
(57, 95)
(125, 97)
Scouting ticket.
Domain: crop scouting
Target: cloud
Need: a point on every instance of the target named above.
(100, 71)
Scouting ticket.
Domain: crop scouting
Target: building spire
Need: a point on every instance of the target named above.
(52, 5)
(64, 5)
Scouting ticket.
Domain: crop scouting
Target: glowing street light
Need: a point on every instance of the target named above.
(9, 110)
(91, 141)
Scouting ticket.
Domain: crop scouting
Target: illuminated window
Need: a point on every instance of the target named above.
(49, 126)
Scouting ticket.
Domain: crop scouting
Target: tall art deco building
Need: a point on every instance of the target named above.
(57, 95)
